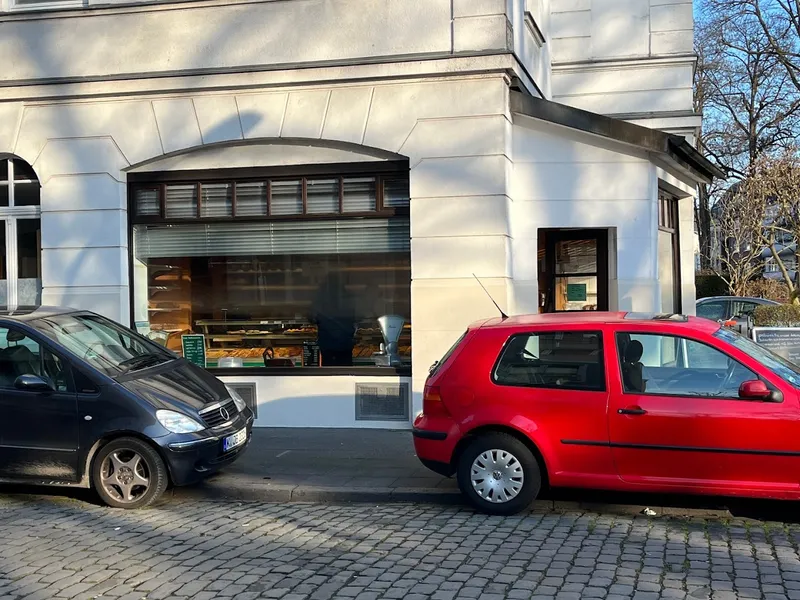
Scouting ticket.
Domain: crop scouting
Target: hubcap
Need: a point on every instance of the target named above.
(124, 476)
(497, 476)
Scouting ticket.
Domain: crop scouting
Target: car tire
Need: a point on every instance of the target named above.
(129, 473)
(503, 455)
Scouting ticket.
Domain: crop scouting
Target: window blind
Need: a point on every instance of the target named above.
(147, 203)
(181, 201)
(396, 193)
(359, 194)
(251, 199)
(287, 198)
(217, 200)
(254, 239)
(322, 196)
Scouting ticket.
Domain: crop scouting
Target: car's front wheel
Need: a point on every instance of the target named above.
(129, 473)
(498, 474)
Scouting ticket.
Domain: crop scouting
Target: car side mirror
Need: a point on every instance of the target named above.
(33, 383)
(758, 390)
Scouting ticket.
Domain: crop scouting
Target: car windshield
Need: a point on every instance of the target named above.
(102, 343)
(786, 370)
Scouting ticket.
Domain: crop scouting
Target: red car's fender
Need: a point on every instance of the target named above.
(496, 418)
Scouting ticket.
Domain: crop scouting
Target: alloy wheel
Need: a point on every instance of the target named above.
(125, 476)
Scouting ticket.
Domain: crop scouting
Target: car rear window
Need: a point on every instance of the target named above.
(553, 359)
(438, 364)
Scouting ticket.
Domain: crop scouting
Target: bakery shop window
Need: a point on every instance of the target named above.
(304, 271)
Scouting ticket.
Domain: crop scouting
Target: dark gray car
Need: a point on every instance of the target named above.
(723, 308)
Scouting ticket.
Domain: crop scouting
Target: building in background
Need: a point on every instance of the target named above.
(277, 175)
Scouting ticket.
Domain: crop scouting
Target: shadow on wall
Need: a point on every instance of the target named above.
(219, 37)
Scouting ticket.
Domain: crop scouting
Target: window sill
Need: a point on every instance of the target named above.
(313, 372)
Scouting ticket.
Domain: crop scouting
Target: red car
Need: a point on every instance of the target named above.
(624, 401)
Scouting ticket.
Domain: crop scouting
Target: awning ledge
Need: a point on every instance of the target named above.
(672, 148)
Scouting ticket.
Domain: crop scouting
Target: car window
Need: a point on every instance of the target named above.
(110, 348)
(712, 310)
(743, 308)
(676, 366)
(557, 360)
(786, 370)
(22, 355)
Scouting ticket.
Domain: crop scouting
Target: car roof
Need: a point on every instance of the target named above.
(30, 313)
(738, 298)
(600, 318)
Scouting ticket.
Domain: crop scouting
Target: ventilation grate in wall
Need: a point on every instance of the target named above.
(248, 393)
(382, 402)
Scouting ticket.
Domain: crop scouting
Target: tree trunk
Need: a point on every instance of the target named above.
(787, 278)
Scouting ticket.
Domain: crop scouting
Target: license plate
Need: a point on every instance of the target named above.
(235, 440)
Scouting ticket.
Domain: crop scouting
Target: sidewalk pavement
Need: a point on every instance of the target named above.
(378, 466)
(335, 465)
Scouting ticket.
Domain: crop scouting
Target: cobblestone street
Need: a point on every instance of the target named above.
(63, 548)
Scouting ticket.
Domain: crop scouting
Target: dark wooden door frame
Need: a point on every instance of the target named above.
(552, 237)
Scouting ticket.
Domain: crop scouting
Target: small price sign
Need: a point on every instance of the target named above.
(194, 349)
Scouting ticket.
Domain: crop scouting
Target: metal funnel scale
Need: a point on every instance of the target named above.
(391, 328)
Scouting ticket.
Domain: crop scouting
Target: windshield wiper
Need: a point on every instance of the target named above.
(141, 361)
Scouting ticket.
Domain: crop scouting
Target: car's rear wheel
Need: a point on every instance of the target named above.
(498, 474)
(129, 473)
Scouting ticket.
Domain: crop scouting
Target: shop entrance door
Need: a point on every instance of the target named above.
(573, 269)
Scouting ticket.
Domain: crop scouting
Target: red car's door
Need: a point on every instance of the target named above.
(676, 419)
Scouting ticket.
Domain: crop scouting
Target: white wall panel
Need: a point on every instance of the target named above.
(219, 36)
(314, 401)
(84, 229)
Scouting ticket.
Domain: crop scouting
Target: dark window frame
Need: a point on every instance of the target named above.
(602, 361)
(617, 335)
(669, 222)
(553, 237)
(383, 171)
(158, 182)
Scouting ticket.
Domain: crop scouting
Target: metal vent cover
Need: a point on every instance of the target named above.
(382, 402)
(248, 393)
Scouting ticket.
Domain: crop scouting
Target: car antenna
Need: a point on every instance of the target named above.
(502, 314)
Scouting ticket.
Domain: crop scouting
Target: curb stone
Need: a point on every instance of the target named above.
(372, 495)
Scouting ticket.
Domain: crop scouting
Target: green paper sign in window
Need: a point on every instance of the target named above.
(576, 292)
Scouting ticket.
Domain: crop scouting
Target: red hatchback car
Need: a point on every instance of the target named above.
(624, 401)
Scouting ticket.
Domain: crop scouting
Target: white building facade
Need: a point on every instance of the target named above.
(276, 175)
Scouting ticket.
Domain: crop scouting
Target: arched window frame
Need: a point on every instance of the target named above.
(10, 218)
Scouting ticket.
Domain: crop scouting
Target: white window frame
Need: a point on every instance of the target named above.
(10, 215)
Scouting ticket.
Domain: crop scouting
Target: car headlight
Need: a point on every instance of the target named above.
(177, 422)
(237, 399)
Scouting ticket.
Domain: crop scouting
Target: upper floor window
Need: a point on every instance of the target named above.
(19, 185)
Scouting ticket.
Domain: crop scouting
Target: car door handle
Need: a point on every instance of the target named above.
(632, 410)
